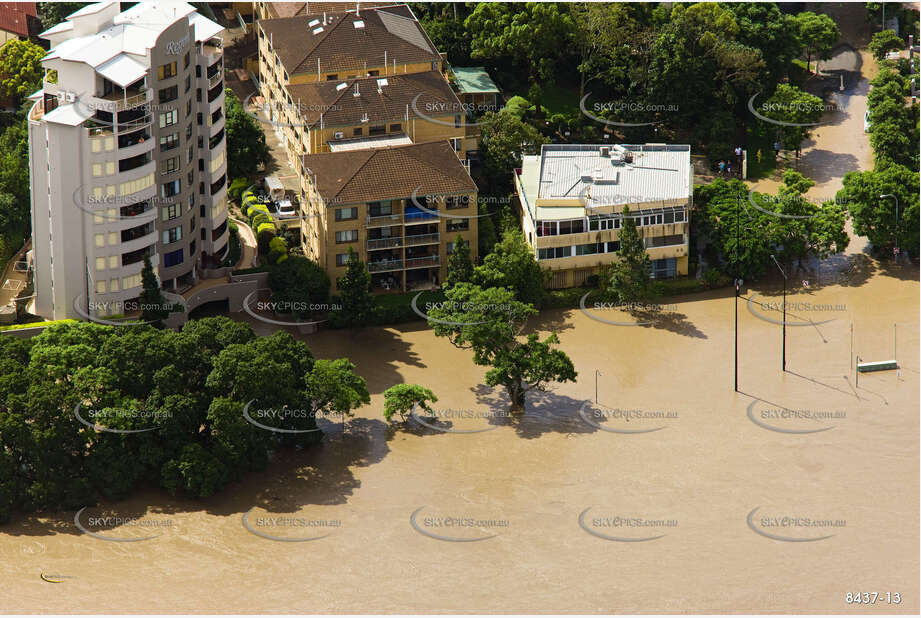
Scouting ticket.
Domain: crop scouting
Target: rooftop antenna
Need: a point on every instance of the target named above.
(324, 18)
(357, 12)
(356, 93)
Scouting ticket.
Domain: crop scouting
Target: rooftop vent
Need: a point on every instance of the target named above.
(318, 30)
(356, 93)
(341, 87)
(381, 83)
(358, 23)
(313, 22)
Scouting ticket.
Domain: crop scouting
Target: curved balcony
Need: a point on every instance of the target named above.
(134, 144)
(217, 102)
(216, 126)
(218, 219)
(138, 243)
(138, 172)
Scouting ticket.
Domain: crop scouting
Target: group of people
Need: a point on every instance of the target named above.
(725, 167)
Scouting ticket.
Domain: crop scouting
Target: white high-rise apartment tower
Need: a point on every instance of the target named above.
(127, 156)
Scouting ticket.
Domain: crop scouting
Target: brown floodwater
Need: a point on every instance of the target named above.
(695, 465)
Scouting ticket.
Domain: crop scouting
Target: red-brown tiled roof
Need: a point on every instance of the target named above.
(356, 176)
(15, 17)
(341, 45)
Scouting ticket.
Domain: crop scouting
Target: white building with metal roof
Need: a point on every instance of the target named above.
(572, 197)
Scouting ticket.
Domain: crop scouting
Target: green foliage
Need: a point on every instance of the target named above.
(53, 13)
(486, 231)
(628, 278)
(817, 34)
(237, 187)
(489, 321)
(191, 386)
(517, 106)
(298, 282)
(512, 265)
(278, 250)
(790, 104)
(401, 398)
(724, 213)
(874, 216)
(247, 150)
(460, 267)
(354, 294)
(154, 308)
(21, 68)
(503, 139)
(894, 131)
(265, 232)
(884, 42)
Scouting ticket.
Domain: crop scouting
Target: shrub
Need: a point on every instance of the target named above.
(237, 186)
(264, 235)
(259, 218)
(278, 248)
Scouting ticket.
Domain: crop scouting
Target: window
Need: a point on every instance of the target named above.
(374, 73)
(189, 154)
(100, 240)
(572, 226)
(100, 263)
(380, 209)
(546, 228)
(166, 71)
(553, 252)
(168, 142)
(679, 216)
(97, 169)
(457, 121)
(665, 241)
(332, 77)
(170, 189)
(378, 130)
(356, 131)
(345, 214)
(174, 234)
(457, 201)
(173, 258)
(396, 127)
(101, 286)
(346, 236)
(185, 61)
(342, 259)
(458, 225)
(113, 285)
(188, 108)
(613, 246)
(197, 70)
(662, 269)
(168, 94)
(188, 133)
(113, 261)
(198, 118)
(168, 119)
(589, 249)
(606, 223)
(170, 165)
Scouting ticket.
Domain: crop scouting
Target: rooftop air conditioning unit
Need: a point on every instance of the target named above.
(605, 151)
(338, 135)
(70, 97)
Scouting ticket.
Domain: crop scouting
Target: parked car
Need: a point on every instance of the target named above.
(286, 209)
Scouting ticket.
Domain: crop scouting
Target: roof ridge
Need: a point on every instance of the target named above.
(318, 42)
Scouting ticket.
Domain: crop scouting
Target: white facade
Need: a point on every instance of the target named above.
(127, 156)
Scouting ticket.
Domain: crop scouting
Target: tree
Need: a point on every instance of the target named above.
(402, 398)
(503, 139)
(512, 265)
(460, 268)
(53, 13)
(296, 283)
(817, 34)
(795, 183)
(629, 279)
(531, 34)
(486, 231)
(154, 307)
(893, 126)
(354, 292)
(884, 42)
(789, 104)
(21, 70)
(489, 322)
(247, 150)
(332, 386)
(874, 216)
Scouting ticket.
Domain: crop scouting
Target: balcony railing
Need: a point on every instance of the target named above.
(385, 220)
(423, 239)
(422, 262)
(123, 102)
(385, 265)
(137, 123)
(215, 91)
(384, 243)
(213, 81)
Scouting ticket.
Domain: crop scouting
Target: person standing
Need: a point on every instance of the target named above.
(722, 167)
(758, 156)
(776, 150)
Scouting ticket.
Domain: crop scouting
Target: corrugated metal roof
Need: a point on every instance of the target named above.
(474, 80)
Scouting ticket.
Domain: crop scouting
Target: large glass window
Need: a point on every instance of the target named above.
(166, 71)
(173, 258)
(346, 236)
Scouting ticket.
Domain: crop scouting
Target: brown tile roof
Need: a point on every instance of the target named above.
(291, 9)
(414, 95)
(17, 17)
(340, 46)
(355, 176)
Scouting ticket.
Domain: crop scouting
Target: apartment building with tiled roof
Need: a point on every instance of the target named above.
(399, 207)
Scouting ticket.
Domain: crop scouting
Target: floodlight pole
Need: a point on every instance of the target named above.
(784, 336)
(737, 286)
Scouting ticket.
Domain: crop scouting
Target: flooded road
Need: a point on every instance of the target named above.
(671, 494)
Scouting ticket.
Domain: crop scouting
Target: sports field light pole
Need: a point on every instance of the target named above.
(783, 365)
(738, 285)
(885, 195)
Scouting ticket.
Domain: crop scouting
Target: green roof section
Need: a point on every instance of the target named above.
(474, 80)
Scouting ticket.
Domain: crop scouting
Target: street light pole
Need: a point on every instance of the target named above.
(783, 365)
(895, 197)
(737, 286)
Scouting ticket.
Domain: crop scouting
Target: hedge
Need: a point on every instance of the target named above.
(35, 324)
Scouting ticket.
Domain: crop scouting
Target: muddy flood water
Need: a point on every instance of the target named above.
(671, 494)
